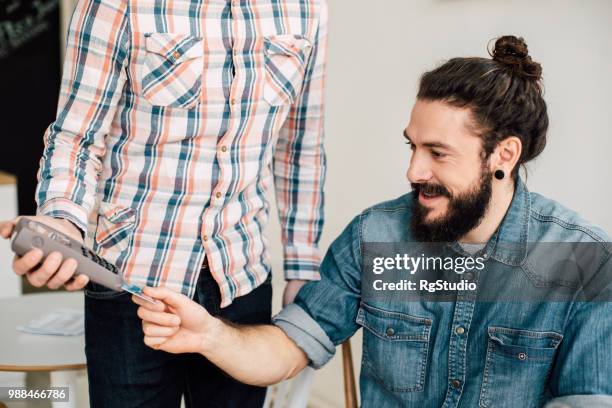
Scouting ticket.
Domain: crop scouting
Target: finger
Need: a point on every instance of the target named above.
(39, 277)
(63, 275)
(154, 330)
(77, 283)
(160, 318)
(24, 264)
(167, 296)
(154, 342)
(156, 307)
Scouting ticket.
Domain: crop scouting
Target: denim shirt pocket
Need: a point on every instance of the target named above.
(517, 365)
(171, 72)
(395, 348)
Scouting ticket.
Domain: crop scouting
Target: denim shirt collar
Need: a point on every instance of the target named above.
(509, 242)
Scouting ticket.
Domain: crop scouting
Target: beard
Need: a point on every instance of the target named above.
(464, 211)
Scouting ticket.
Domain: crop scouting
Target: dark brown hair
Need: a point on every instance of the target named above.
(504, 94)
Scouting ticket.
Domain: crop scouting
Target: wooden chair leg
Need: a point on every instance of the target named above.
(350, 389)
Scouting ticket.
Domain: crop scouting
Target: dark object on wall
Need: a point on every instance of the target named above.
(29, 86)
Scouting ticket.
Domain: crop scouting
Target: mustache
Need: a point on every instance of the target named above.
(430, 188)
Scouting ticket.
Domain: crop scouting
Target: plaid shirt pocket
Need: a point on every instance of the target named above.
(286, 57)
(171, 74)
(115, 226)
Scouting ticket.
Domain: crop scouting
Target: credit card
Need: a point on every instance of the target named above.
(137, 291)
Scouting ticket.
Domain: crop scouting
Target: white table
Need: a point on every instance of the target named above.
(62, 356)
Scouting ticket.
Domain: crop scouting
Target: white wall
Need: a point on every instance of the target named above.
(10, 284)
(378, 50)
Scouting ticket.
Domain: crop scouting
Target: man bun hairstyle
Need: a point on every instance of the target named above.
(504, 94)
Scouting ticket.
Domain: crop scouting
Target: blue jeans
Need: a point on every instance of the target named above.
(124, 372)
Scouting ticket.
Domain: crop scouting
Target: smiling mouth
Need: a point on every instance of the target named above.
(429, 198)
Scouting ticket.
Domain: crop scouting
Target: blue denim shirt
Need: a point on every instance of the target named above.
(464, 353)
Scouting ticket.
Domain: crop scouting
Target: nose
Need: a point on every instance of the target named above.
(419, 170)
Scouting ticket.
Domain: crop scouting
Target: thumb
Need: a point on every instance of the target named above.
(7, 227)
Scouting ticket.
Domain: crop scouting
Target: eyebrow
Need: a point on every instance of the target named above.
(429, 144)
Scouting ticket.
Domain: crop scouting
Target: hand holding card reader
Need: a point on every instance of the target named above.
(31, 234)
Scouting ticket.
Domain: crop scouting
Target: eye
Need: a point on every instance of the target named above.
(437, 155)
(409, 143)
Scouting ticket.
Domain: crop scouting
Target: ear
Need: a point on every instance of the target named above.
(506, 155)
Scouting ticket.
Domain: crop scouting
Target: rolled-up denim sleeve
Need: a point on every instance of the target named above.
(324, 312)
(306, 333)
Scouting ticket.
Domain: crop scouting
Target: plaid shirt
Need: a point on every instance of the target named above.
(174, 119)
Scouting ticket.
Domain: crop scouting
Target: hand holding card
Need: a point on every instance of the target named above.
(175, 323)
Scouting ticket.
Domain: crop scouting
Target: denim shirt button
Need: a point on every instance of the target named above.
(522, 356)
(456, 384)
(390, 331)
(460, 330)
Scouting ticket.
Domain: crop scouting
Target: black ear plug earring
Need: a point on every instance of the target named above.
(499, 174)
